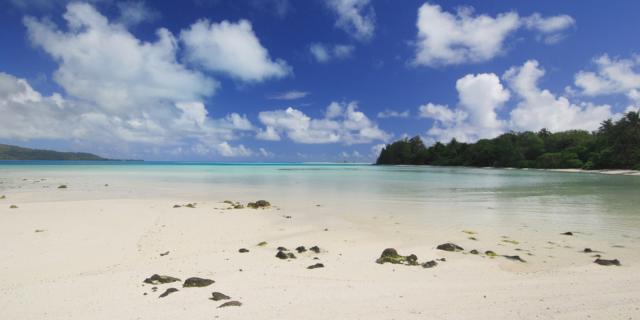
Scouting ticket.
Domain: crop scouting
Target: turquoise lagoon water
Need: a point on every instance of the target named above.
(606, 202)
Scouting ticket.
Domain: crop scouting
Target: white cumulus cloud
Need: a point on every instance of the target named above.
(612, 76)
(446, 38)
(342, 123)
(325, 53)
(231, 48)
(482, 96)
(356, 17)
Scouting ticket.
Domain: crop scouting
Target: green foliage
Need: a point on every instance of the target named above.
(616, 145)
(8, 152)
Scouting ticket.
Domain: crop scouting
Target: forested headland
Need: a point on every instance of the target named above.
(615, 145)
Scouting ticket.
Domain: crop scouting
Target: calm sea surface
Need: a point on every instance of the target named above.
(600, 201)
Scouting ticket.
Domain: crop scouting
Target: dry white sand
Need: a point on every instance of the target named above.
(96, 246)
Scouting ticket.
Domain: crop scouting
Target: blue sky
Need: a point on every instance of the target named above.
(286, 80)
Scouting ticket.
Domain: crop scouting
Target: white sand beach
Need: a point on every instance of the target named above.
(84, 251)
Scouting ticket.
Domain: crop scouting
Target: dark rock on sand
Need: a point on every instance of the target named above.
(168, 292)
(568, 233)
(243, 250)
(605, 262)
(315, 249)
(164, 254)
(474, 251)
(217, 296)
(158, 279)
(197, 282)
(429, 264)
(449, 247)
(587, 250)
(282, 255)
(315, 266)
(62, 186)
(301, 249)
(230, 304)
(516, 258)
(259, 204)
(177, 206)
(282, 249)
(390, 255)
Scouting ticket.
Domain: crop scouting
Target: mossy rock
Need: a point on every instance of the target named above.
(469, 232)
(390, 255)
(2, 197)
(62, 186)
(195, 282)
(259, 204)
(190, 205)
(605, 262)
(262, 244)
(490, 253)
(515, 258)
(158, 279)
(231, 304)
(168, 292)
(429, 264)
(510, 241)
(217, 296)
(449, 247)
(13, 206)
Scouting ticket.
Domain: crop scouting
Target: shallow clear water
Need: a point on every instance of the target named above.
(599, 201)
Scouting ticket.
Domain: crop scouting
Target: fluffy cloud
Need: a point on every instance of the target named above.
(612, 76)
(227, 150)
(135, 12)
(481, 97)
(550, 28)
(387, 113)
(290, 95)
(540, 108)
(231, 48)
(119, 89)
(445, 38)
(342, 123)
(356, 17)
(324, 53)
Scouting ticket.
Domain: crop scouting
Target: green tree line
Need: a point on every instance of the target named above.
(615, 145)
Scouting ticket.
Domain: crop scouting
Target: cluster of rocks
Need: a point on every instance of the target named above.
(193, 282)
(260, 204)
(456, 248)
(390, 255)
(284, 254)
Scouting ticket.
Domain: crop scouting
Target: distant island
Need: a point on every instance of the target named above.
(615, 145)
(9, 152)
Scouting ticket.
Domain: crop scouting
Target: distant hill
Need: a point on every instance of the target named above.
(8, 152)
